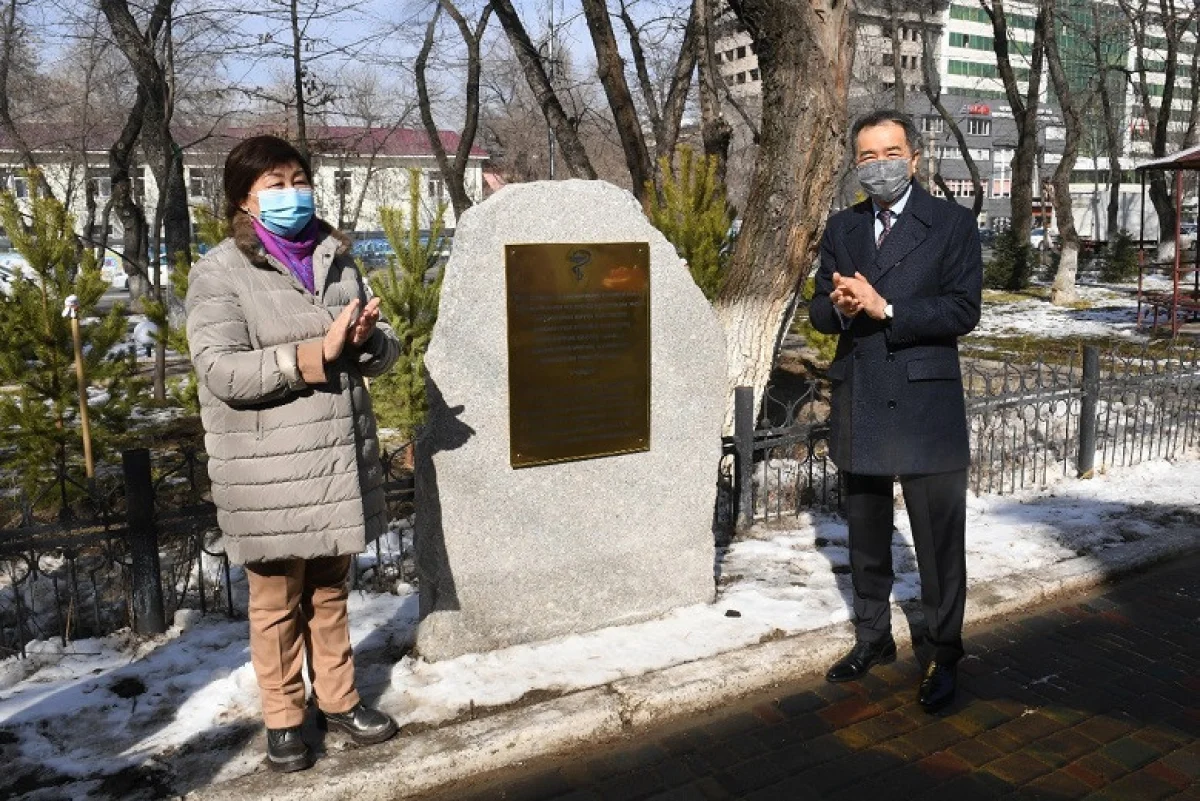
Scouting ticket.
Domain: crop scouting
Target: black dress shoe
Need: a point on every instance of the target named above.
(862, 656)
(937, 687)
(365, 726)
(286, 750)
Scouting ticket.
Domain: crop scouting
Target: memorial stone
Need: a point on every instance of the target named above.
(588, 502)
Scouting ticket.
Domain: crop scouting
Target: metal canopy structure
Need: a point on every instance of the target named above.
(1179, 301)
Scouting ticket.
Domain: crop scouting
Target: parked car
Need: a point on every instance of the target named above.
(373, 252)
(1038, 238)
(987, 237)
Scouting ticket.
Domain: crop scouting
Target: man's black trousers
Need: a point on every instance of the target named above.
(937, 512)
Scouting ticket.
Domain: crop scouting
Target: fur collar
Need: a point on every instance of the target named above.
(247, 241)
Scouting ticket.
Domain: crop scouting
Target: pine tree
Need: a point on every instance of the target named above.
(39, 409)
(410, 305)
(693, 216)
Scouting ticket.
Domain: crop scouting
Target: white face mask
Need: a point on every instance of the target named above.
(885, 180)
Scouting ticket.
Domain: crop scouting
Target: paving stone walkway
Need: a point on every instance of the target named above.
(1094, 697)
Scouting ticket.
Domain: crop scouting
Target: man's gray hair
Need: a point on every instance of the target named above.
(881, 116)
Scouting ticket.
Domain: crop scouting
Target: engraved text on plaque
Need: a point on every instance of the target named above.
(578, 350)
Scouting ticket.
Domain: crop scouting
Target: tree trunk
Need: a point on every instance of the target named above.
(1025, 114)
(567, 137)
(298, 78)
(1158, 119)
(454, 174)
(7, 124)
(805, 51)
(162, 152)
(135, 244)
(1063, 292)
(715, 131)
(933, 90)
(611, 68)
(665, 122)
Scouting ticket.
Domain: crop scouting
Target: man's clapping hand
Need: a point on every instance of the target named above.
(855, 294)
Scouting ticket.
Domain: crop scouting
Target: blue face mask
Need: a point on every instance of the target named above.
(285, 212)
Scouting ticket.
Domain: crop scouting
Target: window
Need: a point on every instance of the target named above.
(888, 60)
(343, 183)
(754, 74)
(932, 125)
(20, 186)
(741, 52)
(741, 77)
(199, 182)
(102, 186)
(979, 127)
(139, 188)
(1002, 187)
(437, 188)
(950, 153)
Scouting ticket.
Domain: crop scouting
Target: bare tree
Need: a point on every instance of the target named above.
(565, 133)
(715, 131)
(1025, 115)
(1110, 89)
(1174, 22)
(611, 68)
(931, 86)
(665, 117)
(11, 34)
(1063, 291)
(149, 53)
(454, 173)
(805, 49)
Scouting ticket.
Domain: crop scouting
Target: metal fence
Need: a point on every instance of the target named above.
(1028, 424)
(140, 543)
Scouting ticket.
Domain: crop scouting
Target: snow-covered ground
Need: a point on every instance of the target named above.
(120, 717)
(1111, 312)
(179, 711)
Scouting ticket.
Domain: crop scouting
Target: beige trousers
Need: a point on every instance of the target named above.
(298, 607)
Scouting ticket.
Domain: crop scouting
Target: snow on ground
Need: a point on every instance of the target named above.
(116, 714)
(1111, 312)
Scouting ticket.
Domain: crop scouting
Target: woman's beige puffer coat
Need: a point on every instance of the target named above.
(294, 462)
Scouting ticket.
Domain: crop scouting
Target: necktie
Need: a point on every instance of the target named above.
(885, 217)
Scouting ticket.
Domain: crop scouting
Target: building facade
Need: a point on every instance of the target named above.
(356, 173)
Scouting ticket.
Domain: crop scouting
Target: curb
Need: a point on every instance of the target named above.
(408, 766)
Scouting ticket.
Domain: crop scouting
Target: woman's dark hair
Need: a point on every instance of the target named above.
(249, 159)
(911, 134)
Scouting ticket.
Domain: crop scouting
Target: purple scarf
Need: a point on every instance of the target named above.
(297, 253)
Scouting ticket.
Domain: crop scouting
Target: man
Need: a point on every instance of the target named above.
(900, 280)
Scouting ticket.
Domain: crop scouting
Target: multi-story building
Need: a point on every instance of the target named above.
(357, 172)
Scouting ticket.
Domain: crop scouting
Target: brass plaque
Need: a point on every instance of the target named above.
(578, 351)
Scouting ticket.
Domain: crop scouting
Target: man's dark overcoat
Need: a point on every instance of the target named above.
(898, 404)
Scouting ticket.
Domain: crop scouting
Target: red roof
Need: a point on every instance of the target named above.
(322, 139)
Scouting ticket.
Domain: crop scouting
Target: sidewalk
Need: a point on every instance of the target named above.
(1094, 696)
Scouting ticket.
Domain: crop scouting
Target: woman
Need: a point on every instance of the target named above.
(280, 351)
